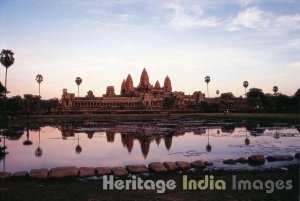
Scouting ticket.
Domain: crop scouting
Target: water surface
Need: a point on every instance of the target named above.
(104, 144)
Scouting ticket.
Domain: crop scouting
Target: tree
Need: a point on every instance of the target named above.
(275, 90)
(31, 102)
(78, 82)
(39, 78)
(217, 92)
(256, 97)
(296, 101)
(2, 90)
(207, 80)
(15, 104)
(7, 59)
(245, 84)
(168, 102)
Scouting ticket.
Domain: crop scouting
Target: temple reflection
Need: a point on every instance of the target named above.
(67, 130)
(127, 141)
(157, 140)
(110, 136)
(168, 142)
(146, 133)
(145, 145)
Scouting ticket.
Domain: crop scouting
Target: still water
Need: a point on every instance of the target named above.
(117, 144)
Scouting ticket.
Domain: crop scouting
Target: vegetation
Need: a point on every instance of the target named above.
(169, 103)
(78, 82)
(207, 80)
(256, 101)
(39, 78)
(2, 90)
(6, 59)
(28, 104)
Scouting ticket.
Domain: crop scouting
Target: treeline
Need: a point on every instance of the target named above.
(28, 104)
(256, 101)
(270, 102)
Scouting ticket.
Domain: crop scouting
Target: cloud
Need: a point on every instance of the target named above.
(295, 65)
(244, 3)
(295, 43)
(253, 18)
(288, 21)
(189, 17)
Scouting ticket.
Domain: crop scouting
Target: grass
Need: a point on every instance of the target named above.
(278, 117)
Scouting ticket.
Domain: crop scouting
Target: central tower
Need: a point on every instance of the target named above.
(144, 85)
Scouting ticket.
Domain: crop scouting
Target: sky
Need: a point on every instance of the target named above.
(102, 41)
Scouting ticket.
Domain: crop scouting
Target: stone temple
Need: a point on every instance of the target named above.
(144, 96)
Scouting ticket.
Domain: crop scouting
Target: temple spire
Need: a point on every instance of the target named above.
(167, 84)
(157, 84)
(128, 85)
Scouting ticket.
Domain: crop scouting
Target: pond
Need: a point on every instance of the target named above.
(110, 144)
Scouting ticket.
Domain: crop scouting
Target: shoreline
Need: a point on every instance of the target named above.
(284, 117)
(155, 167)
(93, 190)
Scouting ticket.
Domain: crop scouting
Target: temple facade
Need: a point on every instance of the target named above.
(144, 96)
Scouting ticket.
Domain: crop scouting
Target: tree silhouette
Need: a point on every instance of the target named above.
(7, 59)
(2, 90)
(245, 84)
(275, 90)
(217, 92)
(78, 82)
(207, 80)
(39, 78)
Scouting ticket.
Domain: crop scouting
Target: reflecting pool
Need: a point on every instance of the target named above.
(116, 144)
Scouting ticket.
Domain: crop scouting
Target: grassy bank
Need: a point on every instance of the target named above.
(277, 117)
(93, 190)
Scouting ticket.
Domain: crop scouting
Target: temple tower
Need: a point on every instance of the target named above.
(144, 81)
(110, 91)
(128, 85)
(123, 87)
(167, 85)
(157, 85)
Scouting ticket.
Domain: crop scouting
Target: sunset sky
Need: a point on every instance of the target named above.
(102, 41)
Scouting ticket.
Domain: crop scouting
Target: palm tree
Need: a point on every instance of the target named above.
(207, 80)
(7, 59)
(245, 84)
(78, 82)
(39, 78)
(217, 92)
(275, 90)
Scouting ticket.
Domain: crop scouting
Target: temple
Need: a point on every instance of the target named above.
(144, 96)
